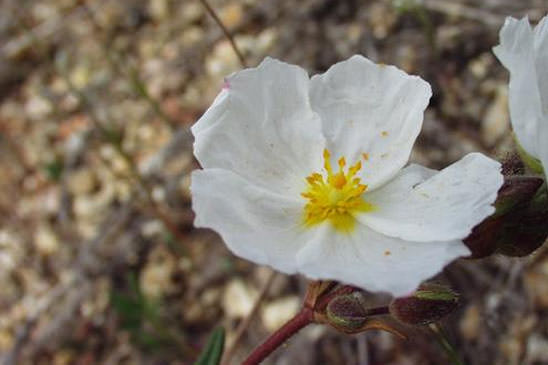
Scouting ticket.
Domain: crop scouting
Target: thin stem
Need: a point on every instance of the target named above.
(378, 311)
(227, 34)
(227, 356)
(142, 89)
(445, 344)
(299, 321)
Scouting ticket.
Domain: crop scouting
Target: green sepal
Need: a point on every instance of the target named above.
(531, 162)
(436, 295)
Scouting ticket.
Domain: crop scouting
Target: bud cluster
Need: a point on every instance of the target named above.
(350, 313)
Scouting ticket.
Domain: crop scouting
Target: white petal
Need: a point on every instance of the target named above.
(256, 224)
(262, 127)
(422, 205)
(516, 52)
(375, 262)
(370, 109)
(541, 63)
(543, 154)
(541, 60)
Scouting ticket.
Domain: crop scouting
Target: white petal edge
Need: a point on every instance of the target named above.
(423, 205)
(541, 65)
(261, 127)
(543, 136)
(541, 59)
(370, 112)
(516, 52)
(255, 224)
(375, 262)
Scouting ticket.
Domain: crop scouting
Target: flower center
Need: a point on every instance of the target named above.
(335, 197)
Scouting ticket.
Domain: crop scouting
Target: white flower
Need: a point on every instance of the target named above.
(307, 175)
(524, 52)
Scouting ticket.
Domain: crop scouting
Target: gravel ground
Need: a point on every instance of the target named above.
(99, 262)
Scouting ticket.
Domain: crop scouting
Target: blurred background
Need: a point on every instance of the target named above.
(99, 261)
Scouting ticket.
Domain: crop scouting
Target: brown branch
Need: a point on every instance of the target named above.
(227, 34)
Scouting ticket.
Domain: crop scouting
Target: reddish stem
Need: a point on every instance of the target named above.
(379, 311)
(301, 320)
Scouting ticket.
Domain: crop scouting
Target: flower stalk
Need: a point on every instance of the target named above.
(325, 303)
(294, 325)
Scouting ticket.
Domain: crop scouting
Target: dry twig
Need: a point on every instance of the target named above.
(463, 11)
(227, 34)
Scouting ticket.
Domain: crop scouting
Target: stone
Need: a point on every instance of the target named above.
(156, 278)
(238, 299)
(46, 241)
(496, 122)
(38, 107)
(82, 181)
(231, 15)
(277, 312)
(471, 323)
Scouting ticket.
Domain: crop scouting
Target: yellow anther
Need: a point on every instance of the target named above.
(335, 197)
(339, 180)
(354, 169)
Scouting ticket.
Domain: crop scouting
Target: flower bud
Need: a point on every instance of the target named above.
(482, 242)
(516, 190)
(525, 229)
(511, 216)
(430, 303)
(347, 312)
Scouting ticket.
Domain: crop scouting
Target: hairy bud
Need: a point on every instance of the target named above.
(515, 213)
(430, 303)
(516, 190)
(346, 312)
(525, 229)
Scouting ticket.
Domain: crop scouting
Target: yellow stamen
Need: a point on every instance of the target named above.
(335, 197)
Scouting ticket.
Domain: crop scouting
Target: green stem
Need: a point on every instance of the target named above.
(444, 343)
